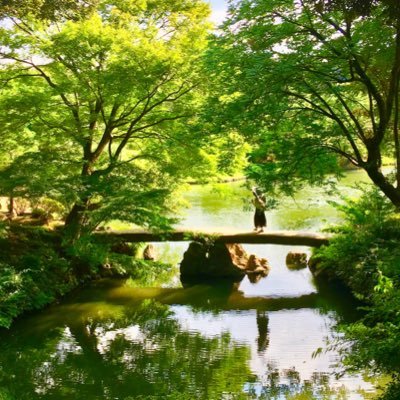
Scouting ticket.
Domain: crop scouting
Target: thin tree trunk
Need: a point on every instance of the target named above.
(396, 77)
(11, 207)
(396, 135)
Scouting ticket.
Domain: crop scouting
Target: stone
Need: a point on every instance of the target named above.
(194, 258)
(123, 248)
(256, 264)
(237, 254)
(216, 260)
(296, 260)
(150, 253)
(220, 260)
(254, 278)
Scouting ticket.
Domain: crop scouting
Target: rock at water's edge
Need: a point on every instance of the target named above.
(295, 260)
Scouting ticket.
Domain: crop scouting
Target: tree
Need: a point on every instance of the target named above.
(311, 82)
(108, 101)
(46, 9)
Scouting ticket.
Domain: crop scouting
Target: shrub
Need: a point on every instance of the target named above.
(365, 248)
(365, 255)
(33, 272)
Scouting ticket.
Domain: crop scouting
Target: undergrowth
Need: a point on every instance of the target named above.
(37, 267)
(365, 255)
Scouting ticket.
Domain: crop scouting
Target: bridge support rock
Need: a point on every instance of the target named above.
(220, 260)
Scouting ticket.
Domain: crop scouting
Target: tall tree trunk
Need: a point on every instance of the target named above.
(75, 221)
(396, 78)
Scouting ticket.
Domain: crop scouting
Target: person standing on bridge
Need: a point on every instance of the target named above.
(259, 201)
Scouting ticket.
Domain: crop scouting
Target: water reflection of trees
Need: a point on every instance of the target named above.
(287, 384)
(117, 343)
(143, 353)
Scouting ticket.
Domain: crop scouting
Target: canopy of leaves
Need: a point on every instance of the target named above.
(46, 9)
(310, 83)
(103, 107)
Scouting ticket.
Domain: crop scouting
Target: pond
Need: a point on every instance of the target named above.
(124, 339)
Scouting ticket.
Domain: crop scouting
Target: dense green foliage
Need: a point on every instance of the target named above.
(46, 9)
(32, 271)
(366, 256)
(311, 84)
(367, 242)
(102, 111)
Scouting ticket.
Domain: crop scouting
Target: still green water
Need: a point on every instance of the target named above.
(160, 340)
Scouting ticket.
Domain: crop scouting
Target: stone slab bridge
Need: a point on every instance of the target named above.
(293, 238)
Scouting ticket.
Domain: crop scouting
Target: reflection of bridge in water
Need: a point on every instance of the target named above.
(294, 238)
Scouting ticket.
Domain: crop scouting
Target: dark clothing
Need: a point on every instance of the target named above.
(260, 220)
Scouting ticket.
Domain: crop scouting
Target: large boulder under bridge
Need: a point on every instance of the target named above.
(221, 260)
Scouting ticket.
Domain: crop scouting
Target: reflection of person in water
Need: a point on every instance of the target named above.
(263, 331)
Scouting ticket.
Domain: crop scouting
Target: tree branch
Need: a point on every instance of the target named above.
(49, 81)
(359, 129)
